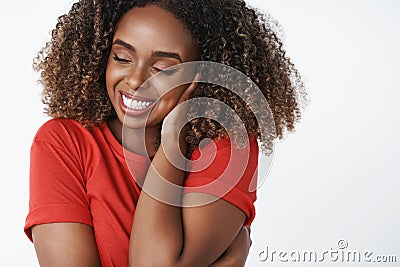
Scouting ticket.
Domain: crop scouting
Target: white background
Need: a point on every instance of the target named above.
(336, 177)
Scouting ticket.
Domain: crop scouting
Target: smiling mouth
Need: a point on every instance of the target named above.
(134, 105)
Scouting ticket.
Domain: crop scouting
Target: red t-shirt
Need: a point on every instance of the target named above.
(83, 176)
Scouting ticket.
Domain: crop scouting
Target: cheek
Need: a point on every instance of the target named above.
(169, 86)
(113, 74)
(172, 96)
(109, 76)
(169, 100)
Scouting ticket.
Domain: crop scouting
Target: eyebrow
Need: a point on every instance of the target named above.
(124, 44)
(153, 54)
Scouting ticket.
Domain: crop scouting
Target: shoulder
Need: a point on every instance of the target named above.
(61, 128)
(219, 157)
(63, 133)
(224, 146)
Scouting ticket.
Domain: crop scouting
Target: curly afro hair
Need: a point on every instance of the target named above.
(72, 65)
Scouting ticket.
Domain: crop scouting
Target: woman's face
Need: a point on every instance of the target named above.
(146, 41)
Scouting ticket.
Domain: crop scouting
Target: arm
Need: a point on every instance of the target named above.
(73, 244)
(236, 254)
(65, 244)
(168, 235)
(180, 236)
(57, 194)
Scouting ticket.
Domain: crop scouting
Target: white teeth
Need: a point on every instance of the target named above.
(134, 104)
(128, 102)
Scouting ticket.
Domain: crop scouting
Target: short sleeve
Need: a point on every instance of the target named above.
(228, 173)
(57, 186)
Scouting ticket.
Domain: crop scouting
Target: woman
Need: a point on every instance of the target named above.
(104, 75)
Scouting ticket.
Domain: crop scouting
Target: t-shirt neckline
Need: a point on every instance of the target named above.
(119, 149)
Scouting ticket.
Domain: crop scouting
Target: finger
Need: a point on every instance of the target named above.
(191, 88)
(248, 234)
(248, 228)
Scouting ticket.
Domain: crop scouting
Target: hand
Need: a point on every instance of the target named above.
(173, 123)
(237, 252)
(176, 118)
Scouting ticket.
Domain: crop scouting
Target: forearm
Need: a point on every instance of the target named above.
(168, 235)
(157, 226)
(157, 237)
(228, 261)
(236, 254)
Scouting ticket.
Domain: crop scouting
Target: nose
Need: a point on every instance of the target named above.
(136, 77)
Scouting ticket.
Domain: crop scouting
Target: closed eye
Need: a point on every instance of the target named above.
(167, 72)
(123, 60)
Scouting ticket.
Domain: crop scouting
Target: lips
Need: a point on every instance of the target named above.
(134, 105)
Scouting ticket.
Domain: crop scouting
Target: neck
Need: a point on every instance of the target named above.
(139, 141)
